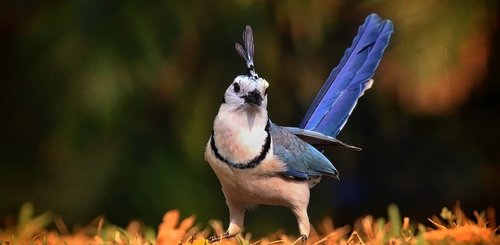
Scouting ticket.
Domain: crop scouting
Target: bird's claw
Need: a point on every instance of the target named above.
(304, 238)
(219, 237)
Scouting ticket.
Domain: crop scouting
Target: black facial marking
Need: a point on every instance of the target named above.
(236, 87)
(265, 92)
(223, 100)
(253, 97)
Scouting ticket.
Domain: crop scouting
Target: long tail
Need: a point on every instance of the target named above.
(347, 82)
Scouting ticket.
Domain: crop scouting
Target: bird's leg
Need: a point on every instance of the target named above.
(236, 219)
(303, 221)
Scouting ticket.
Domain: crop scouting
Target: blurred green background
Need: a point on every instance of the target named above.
(106, 106)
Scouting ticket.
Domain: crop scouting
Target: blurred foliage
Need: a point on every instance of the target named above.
(107, 105)
(453, 227)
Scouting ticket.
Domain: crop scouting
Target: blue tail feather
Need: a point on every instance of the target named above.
(346, 83)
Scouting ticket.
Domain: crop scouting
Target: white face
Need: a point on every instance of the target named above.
(247, 91)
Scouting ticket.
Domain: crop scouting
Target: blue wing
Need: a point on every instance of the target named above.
(346, 83)
(302, 160)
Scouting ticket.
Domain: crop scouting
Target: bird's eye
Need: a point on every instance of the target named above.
(236, 87)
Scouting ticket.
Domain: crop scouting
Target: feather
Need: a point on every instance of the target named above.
(346, 83)
(319, 140)
(249, 45)
(241, 51)
(248, 51)
(302, 160)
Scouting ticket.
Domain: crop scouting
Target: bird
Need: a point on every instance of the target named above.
(258, 162)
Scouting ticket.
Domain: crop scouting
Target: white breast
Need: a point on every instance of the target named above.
(239, 136)
(259, 185)
(240, 133)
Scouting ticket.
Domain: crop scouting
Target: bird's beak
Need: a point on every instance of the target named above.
(253, 98)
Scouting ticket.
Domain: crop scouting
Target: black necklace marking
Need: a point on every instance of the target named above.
(250, 164)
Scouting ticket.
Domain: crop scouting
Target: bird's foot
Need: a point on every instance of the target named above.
(219, 237)
(304, 239)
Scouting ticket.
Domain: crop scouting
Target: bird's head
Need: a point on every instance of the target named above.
(247, 90)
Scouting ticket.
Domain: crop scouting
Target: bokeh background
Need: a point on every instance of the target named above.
(106, 106)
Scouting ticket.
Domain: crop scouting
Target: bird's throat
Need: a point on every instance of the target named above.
(250, 118)
(240, 135)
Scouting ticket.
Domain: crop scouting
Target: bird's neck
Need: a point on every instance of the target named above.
(240, 133)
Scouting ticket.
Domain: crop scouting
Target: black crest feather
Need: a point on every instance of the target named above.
(247, 52)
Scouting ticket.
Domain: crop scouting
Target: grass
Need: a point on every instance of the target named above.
(451, 227)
